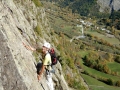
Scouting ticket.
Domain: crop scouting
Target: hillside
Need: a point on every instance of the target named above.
(25, 21)
(88, 50)
(101, 9)
(87, 47)
(89, 7)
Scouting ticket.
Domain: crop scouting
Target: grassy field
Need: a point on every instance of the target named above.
(97, 85)
(93, 83)
(114, 66)
(83, 53)
(63, 27)
(98, 73)
(110, 40)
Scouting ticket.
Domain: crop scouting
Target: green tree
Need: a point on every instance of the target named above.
(117, 58)
(110, 81)
(118, 83)
(106, 69)
(86, 60)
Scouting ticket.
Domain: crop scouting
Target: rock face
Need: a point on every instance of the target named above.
(105, 5)
(17, 68)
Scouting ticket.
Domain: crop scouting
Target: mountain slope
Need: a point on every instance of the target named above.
(89, 7)
(24, 21)
(93, 53)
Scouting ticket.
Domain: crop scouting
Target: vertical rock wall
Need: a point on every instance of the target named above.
(17, 69)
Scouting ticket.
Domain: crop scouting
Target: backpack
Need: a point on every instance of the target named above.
(53, 56)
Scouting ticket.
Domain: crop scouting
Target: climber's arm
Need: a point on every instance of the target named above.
(29, 47)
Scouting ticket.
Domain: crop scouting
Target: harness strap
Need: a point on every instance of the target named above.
(47, 71)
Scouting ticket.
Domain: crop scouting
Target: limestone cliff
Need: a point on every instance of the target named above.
(18, 22)
(105, 5)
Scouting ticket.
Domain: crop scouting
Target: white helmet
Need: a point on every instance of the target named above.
(47, 45)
